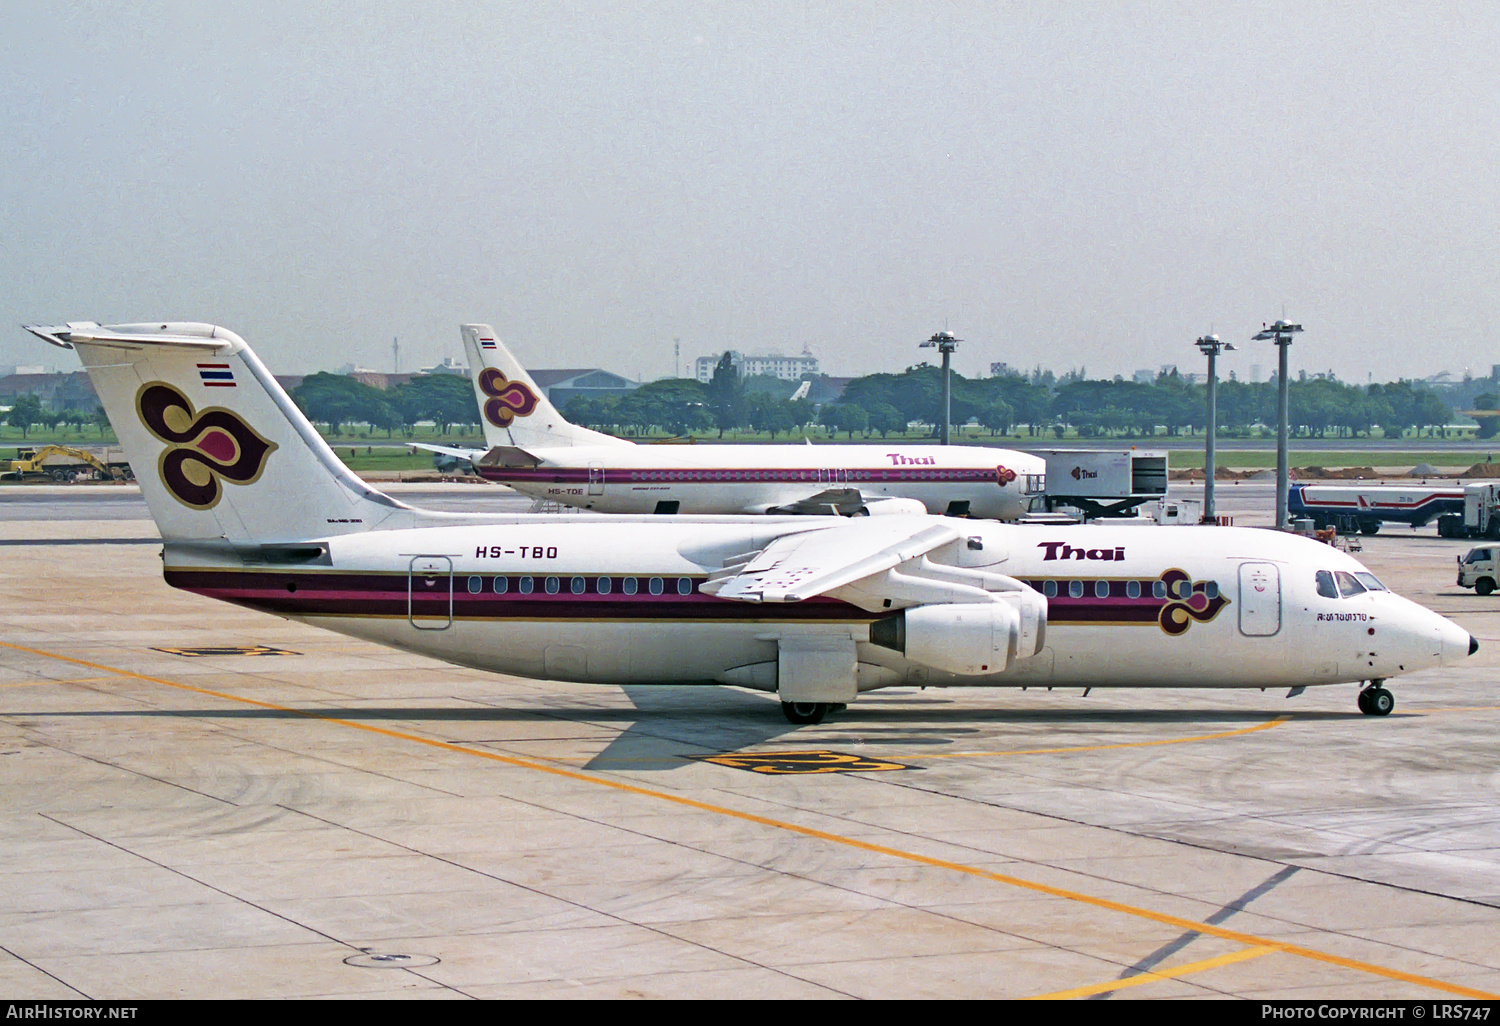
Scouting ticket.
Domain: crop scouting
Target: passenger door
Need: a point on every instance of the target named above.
(429, 593)
(1260, 599)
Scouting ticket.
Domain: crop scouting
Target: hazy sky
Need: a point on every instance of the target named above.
(1065, 184)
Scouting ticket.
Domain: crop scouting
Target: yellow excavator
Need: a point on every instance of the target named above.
(69, 463)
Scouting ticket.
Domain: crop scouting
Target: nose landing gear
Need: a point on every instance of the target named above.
(1376, 700)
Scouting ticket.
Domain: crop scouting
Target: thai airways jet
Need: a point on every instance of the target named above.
(538, 453)
(255, 509)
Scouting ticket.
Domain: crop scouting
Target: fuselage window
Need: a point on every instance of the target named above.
(501, 585)
(476, 585)
(602, 585)
(1101, 589)
(552, 586)
(1183, 588)
(1159, 589)
(525, 585)
(1348, 585)
(1049, 588)
(684, 586)
(1133, 589)
(578, 585)
(656, 586)
(1075, 589)
(1211, 590)
(628, 586)
(1326, 587)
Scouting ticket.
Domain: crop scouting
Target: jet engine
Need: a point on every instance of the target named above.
(968, 639)
(889, 507)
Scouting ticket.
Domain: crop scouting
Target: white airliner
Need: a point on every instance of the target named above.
(534, 450)
(255, 509)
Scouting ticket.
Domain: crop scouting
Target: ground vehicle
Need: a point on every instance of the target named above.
(1477, 570)
(1480, 517)
(1364, 508)
(65, 463)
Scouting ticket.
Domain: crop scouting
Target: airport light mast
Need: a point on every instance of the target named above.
(1281, 333)
(945, 343)
(1210, 346)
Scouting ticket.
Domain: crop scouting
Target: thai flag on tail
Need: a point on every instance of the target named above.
(486, 343)
(216, 375)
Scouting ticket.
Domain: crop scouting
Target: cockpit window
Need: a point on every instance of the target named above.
(1326, 587)
(1369, 581)
(1348, 585)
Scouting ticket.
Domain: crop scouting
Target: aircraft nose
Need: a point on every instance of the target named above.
(1456, 643)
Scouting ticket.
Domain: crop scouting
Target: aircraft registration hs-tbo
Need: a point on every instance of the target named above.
(255, 509)
(534, 450)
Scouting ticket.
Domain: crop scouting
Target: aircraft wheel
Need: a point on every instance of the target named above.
(1484, 586)
(804, 712)
(1376, 702)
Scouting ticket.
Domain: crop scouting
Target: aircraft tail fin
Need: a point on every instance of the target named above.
(221, 452)
(514, 411)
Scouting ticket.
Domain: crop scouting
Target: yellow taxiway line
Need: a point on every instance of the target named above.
(1180, 922)
(1157, 975)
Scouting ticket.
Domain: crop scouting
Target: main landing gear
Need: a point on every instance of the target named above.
(809, 712)
(1376, 700)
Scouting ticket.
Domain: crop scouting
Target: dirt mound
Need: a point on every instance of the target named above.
(1220, 474)
(1482, 470)
(1335, 473)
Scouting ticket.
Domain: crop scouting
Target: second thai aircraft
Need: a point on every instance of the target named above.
(535, 451)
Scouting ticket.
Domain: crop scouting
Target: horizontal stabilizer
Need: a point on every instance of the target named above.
(462, 454)
(507, 456)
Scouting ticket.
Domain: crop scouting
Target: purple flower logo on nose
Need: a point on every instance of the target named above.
(507, 399)
(202, 447)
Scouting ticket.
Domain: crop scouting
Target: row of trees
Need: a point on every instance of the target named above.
(882, 404)
(333, 399)
(886, 403)
(28, 412)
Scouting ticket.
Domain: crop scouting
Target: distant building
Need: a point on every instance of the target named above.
(57, 391)
(448, 366)
(563, 386)
(775, 365)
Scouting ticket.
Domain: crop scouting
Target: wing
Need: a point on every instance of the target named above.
(796, 567)
(844, 501)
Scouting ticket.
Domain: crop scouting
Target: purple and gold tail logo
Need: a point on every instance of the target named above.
(507, 399)
(202, 447)
(1187, 603)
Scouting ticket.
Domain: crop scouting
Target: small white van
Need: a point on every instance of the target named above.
(1477, 570)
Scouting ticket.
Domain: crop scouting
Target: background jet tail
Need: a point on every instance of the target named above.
(513, 410)
(220, 451)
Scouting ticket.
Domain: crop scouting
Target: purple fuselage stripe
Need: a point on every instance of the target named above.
(300, 593)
